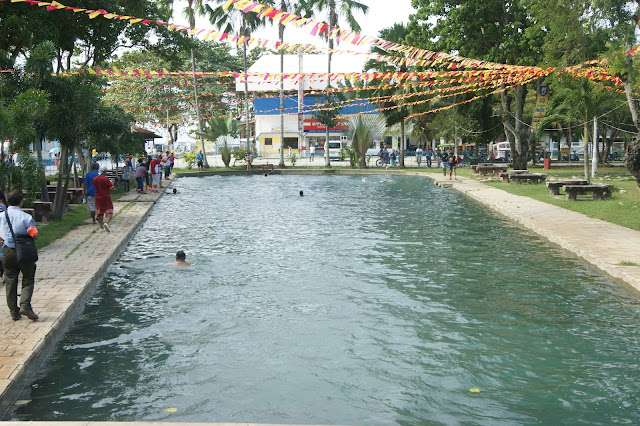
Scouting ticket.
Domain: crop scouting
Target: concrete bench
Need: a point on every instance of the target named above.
(484, 170)
(554, 187)
(520, 176)
(600, 191)
(528, 177)
(42, 210)
(474, 167)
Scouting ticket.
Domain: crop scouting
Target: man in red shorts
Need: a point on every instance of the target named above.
(104, 206)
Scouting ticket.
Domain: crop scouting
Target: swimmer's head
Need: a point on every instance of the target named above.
(301, 193)
(180, 255)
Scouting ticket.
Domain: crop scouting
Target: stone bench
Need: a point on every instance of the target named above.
(554, 187)
(42, 210)
(484, 170)
(520, 176)
(600, 191)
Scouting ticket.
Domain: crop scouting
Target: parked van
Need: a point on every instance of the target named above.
(501, 150)
(335, 149)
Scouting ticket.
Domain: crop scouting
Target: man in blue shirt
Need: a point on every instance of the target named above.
(89, 191)
(200, 161)
(22, 223)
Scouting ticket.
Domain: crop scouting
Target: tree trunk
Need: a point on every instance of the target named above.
(246, 84)
(514, 131)
(402, 143)
(44, 193)
(585, 138)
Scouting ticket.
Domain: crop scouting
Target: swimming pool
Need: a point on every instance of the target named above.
(362, 302)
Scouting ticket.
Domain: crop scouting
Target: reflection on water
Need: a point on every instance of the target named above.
(360, 303)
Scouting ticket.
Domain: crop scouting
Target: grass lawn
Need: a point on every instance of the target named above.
(623, 208)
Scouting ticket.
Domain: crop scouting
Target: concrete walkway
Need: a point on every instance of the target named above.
(69, 268)
(66, 273)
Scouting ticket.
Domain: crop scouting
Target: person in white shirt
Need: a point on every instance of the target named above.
(22, 223)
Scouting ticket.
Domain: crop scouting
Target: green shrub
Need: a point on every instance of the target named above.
(189, 158)
(239, 154)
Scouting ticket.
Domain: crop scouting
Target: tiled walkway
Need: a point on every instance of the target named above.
(66, 272)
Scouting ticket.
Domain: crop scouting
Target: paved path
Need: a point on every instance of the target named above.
(69, 268)
(66, 272)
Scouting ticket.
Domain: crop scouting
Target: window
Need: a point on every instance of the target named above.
(291, 143)
(268, 141)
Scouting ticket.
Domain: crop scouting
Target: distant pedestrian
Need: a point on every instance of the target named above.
(167, 168)
(444, 162)
(200, 161)
(312, 150)
(453, 163)
(438, 156)
(154, 169)
(248, 159)
(429, 154)
(127, 174)
(172, 161)
(419, 155)
(104, 206)
(139, 175)
(89, 192)
(21, 224)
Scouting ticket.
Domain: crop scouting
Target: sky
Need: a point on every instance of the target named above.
(381, 14)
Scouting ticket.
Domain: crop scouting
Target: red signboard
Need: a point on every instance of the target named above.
(316, 126)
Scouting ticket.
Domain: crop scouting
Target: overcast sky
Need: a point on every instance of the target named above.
(381, 14)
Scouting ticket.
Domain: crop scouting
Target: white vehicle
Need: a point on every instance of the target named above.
(335, 148)
(501, 150)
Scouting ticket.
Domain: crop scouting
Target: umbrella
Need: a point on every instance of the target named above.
(55, 150)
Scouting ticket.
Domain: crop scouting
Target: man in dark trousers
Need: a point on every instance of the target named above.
(22, 223)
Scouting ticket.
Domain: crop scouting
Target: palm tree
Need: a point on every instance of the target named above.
(393, 112)
(216, 127)
(167, 6)
(225, 21)
(336, 8)
(363, 130)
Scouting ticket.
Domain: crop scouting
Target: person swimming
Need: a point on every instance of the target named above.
(301, 193)
(181, 259)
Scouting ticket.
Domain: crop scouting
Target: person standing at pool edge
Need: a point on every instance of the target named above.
(22, 223)
(89, 192)
(200, 161)
(104, 206)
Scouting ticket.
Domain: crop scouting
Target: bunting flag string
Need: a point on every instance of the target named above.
(412, 56)
(322, 29)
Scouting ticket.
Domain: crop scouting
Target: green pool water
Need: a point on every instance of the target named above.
(361, 302)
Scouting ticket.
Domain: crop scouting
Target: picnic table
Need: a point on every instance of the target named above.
(600, 191)
(42, 210)
(519, 176)
(493, 168)
(474, 167)
(554, 187)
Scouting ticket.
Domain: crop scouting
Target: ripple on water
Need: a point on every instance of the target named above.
(359, 303)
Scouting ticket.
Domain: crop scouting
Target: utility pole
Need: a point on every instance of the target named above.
(594, 160)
